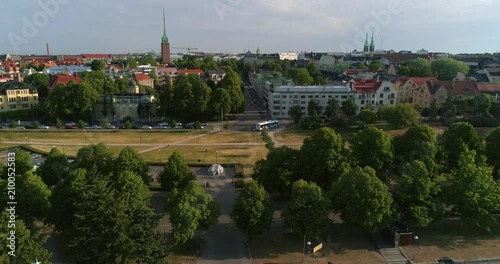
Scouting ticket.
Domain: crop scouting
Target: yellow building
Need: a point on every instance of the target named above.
(17, 96)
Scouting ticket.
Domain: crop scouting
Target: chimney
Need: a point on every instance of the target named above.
(48, 50)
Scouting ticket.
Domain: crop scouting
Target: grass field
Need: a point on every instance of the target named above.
(100, 136)
(246, 155)
(228, 137)
(72, 150)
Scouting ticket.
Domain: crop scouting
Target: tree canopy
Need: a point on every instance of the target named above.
(54, 168)
(447, 68)
(457, 139)
(401, 115)
(492, 153)
(302, 77)
(176, 173)
(130, 160)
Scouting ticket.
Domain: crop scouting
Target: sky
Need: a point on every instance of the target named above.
(236, 26)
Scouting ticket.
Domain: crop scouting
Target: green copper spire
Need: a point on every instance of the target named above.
(164, 39)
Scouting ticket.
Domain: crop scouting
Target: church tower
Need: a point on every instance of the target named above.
(165, 46)
(372, 45)
(366, 48)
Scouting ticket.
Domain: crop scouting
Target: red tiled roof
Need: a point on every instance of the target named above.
(142, 77)
(397, 57)
(488, 87)
(418, 81)
(454, 87)
(64, 80)
(117, 66)
(97, 56)
(367, 86)
(188, 71)
(71, 62)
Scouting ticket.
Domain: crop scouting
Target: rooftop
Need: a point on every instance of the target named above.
(313, 89)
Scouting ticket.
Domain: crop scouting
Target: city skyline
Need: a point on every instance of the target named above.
(234, 26)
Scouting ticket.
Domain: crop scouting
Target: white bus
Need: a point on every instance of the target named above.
(266, 125)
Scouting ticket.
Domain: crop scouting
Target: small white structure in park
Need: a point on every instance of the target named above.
(215, 169)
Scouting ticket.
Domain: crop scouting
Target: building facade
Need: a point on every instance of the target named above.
(15, 95)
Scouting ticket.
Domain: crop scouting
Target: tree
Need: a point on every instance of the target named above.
(81, 124)
(363, 200)
(59, 123)
(447, 68)
(295, 113)
(332, 110)
(312, 69)
(132, 62)
(492, 153)
(402, 115)
(148, 59)
(130, 160)
(28, 244)
(419, 68)
(276, 173)
(368, 116)
(23, 162)
(349, 107)
(361, 66)
(404, 71)
(433, 111)
(372, 147)
(376, 65)
(307, 211)
(32, 197)
(449, 111)
(417, 196)
(190, 208)
(176, 173)
(417, 143)
(302, 77)
(97, 65)
(324, 157)
(96, 158)
(40, 81)
(252, 211)
(314, 109)
(458, 138)
(473, 193)
(479, 104)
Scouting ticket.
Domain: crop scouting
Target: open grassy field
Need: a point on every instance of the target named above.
(97, 136)
(246, 155)
(228, 137)
(449, 238)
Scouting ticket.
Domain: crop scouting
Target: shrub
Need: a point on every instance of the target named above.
(368, 116)
(59, 123)
(483, 121)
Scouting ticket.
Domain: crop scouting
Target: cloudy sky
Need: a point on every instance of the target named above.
(121, 26)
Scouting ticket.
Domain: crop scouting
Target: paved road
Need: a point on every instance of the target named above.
(225, 244)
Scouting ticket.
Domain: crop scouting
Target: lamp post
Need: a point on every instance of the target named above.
(303, 248)
(415, 238)
(159, 154)
(27, 140)
(308, 247)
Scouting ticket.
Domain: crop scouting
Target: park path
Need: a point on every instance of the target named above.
(224, 243)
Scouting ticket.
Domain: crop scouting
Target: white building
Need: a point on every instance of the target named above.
(289, 56)
(66, 69)
(363, 93)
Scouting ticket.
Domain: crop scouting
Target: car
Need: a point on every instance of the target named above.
(146, 127)
(161, 127)
(110, 127)
(204, 124)
(70, 127)
(43, 127)
(70, 124)
(162, 124)
(96, 127)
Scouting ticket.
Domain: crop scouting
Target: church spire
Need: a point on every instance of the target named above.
(372, 45)
(164, 38)
(365, 48)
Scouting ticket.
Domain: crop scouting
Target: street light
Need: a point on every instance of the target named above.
(308, 247)
(159, 154)
(415, 238)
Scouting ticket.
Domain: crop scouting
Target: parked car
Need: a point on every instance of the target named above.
(96, 127)
(110, 127)
(164, 124)
(70, 127)
(43, 127)
(146, 127)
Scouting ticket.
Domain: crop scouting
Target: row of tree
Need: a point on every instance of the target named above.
(443, 68)
(369, 179)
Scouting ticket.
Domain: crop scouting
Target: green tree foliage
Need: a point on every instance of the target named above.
(333, 110)
(252, 211)
(307, 211)
(363, 200)
(166, 101)
(376, 65)
(302, 77)
(81, 124)
(234, 85)
(23, 162)
(296, 113)
(417, 143)
(32, 197)
(28, 244)
(446, 68)
(130, 160)
(148, 59)
(372, 147)
(324, 157)
(449, 111)
(40, 81)
(349, 107)
(267, 139)
(176, 173)
(314, 109)
(418, 195)
(74, 100)
(190, 208)
(201, 98)
(368, 116)
(122, 84)
(96, 158)
(361, 66)
(402, 115)
(404, 71)
(97, 65)
(479, 104)
(473, 193)
(132, 62)
(418, 68)
(492, 153)
(276, 173)
(458, 138)
(433, 110)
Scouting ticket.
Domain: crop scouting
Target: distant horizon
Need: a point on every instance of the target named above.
(224, 26)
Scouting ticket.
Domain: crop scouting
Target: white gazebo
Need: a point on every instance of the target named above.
(215, 169)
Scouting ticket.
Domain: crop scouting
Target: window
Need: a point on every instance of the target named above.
(344, 96)
(303, 102)
(323, 96)
(392, 102)
(283, 102)
(336, 96)
(12, 106)
(381, 95)
(25, 105)
(362, 102)
(310, 96)
(381, 102)
(302, 96)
